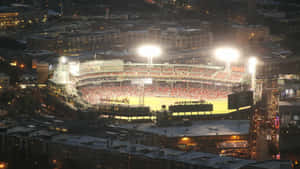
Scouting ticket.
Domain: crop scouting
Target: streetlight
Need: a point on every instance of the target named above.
(227, 55)
(252, 62)
(149, 51)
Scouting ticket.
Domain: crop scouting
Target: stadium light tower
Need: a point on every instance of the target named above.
(141, 83)
(252, 62)
(61, 74)
(149, 51)
(227, 55)
(63, 60)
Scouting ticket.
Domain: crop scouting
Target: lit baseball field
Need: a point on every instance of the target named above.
(155, 103)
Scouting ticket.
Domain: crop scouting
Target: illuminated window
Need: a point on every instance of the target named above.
(14, 63)
(185, 139)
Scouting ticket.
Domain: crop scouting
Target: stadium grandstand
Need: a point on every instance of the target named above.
(98, 82)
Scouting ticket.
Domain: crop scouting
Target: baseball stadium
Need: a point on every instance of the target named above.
(98, 83)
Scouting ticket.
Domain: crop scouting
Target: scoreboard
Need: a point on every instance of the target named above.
(240, 99)
(124, 110)
(191, 108)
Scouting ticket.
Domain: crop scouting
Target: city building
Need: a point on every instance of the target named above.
(65, 43)
(173, 38)
(56, 148)
(206, 136)
(4, 81)
(42, 72)
(9, 19)
(21, 16)
(170, 38)
(250, 34)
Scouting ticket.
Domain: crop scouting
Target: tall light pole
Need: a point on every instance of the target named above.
(63, 73)
(149, 51)
(141, 83)
(252, 62)
(227, 55)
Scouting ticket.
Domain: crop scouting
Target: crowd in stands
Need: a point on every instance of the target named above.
(94, 94)
(193, 73)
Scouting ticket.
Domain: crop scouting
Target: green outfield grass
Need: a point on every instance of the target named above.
(155, 103)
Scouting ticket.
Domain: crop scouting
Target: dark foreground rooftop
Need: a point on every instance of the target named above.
(197, 128)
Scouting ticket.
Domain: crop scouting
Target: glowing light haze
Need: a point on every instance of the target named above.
(227, 54)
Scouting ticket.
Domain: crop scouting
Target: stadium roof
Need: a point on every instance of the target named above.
(273, 164)
(198, 128)
(193, 158)
(199, 159)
